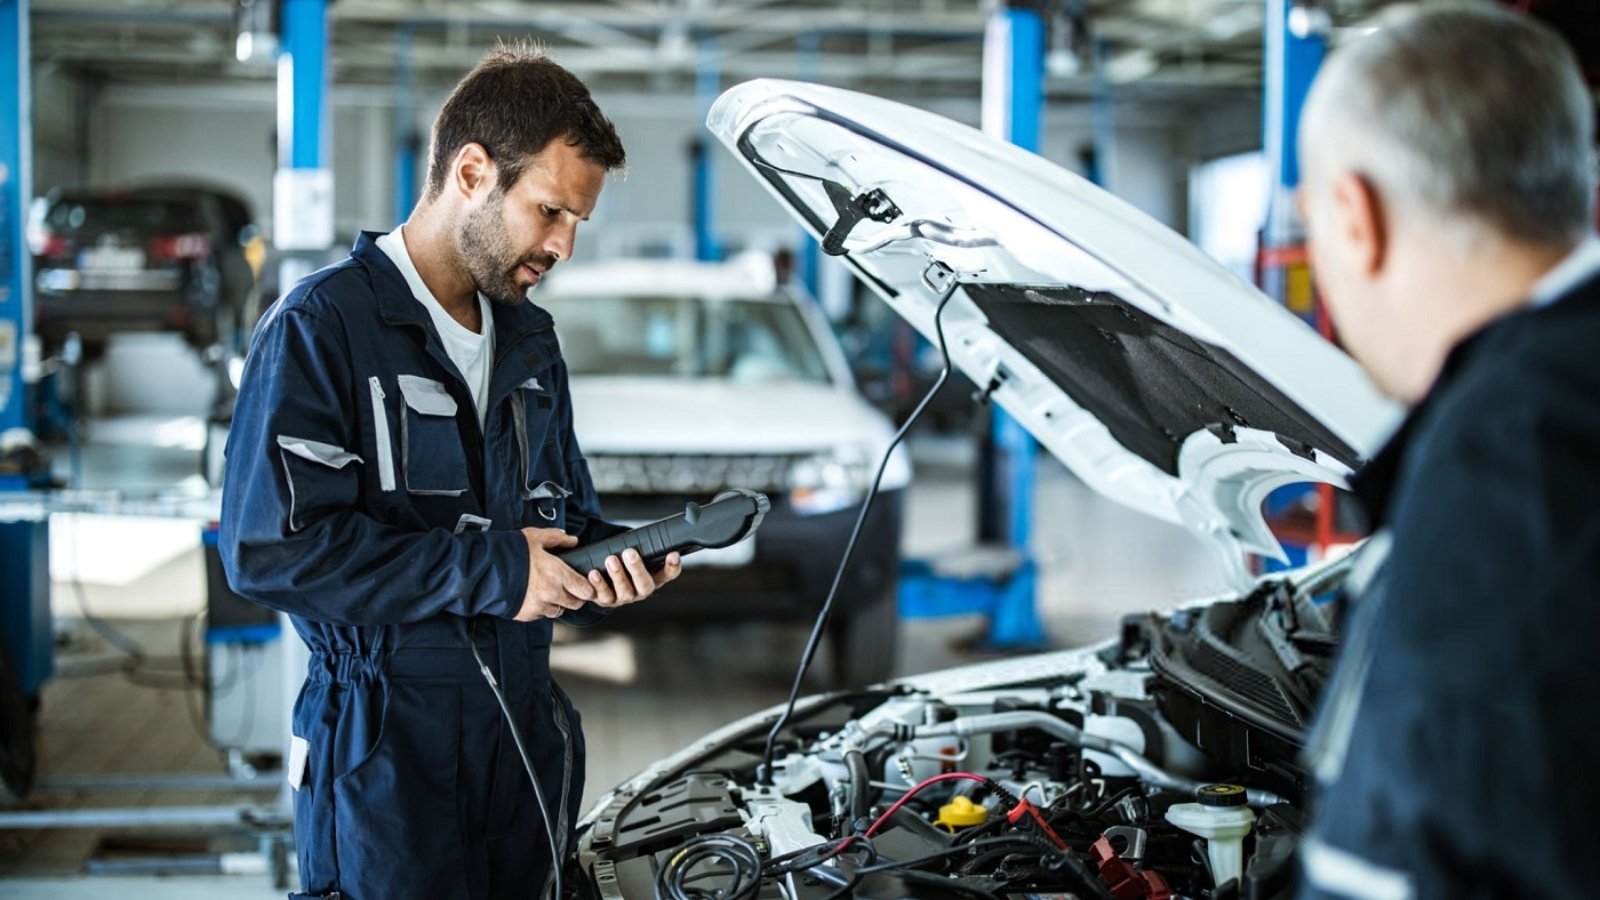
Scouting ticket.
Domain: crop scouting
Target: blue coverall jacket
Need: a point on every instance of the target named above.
(1455, 749)
(363, 498)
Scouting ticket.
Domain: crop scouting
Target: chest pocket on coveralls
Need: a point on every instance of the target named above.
(432, 458)
(533, 411)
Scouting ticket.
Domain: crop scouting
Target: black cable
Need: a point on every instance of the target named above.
(556, 861)
(797, 861)
(1010, 839)
(855, 534)
(939, 882)
(673, 877)
(860, 783)
(905, 867)
(1098, 810)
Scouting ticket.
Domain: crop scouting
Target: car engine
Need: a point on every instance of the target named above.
(1162, 764)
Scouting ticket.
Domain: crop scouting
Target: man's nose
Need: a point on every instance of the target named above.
(560, 241)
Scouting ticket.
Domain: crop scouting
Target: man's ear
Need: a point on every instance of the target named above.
(472, 170)
(1361, 220)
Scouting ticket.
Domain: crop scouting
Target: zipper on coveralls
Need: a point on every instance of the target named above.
(380, 428)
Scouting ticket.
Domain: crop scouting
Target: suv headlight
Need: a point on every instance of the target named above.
(827, 483)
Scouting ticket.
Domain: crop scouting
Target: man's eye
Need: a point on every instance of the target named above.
(551, 211)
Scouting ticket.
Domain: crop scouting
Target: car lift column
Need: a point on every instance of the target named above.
(1013, 99)
(302, 201)
(702, 163)
(302, 189)
(1000, 579)
(24, 547)
(407, 142)
(1295, 47)
(808, 53)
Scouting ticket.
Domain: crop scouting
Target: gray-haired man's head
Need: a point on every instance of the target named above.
(1450, 129)
(1461, 110)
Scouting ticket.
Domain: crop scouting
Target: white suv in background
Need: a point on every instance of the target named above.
(690, 378)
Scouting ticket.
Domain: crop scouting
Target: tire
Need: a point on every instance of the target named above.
(18, 761)
(865, 643)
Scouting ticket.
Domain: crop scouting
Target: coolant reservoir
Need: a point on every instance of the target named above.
(1223, 819)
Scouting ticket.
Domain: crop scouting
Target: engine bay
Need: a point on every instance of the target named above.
(1161, 764)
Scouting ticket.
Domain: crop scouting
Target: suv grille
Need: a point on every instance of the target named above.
(690, 473)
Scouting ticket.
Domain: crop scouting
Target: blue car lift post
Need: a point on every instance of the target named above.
(24, 561)
(1006, 594)
(1295, 48)
(702, 162)
(24, 543)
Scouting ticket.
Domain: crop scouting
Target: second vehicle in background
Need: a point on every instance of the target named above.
(177, 258)
(688, 378)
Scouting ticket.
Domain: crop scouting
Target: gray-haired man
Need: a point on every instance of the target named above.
(1449, 188)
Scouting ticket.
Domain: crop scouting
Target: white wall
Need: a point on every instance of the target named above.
(168, 134)
(60, 104)
(227, 135)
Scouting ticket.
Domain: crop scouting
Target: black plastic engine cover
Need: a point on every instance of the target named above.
(693, 805)
(1241, 679)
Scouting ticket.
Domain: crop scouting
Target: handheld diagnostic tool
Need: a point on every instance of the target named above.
(728, 519)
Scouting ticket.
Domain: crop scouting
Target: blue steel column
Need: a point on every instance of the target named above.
(406, 140)
(808, 47)
(1103, 121)
(302, 154)
(16, 183)
(1291, 64)
(24, 546)
(302, 195)
(305, 45)
(1292, 61)
(702, 162)
(1021, 38)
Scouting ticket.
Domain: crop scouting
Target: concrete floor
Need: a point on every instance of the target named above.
(640, 697)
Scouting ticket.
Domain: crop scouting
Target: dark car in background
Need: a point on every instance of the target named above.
(176, 259)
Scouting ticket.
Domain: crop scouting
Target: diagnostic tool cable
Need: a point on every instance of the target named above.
(855, 533)
(556, 861)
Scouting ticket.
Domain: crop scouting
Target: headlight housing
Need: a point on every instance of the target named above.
(828, 482)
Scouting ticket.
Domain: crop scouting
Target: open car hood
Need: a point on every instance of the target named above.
(1159, 377)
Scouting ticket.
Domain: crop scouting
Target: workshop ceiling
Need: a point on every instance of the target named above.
(1151, 49)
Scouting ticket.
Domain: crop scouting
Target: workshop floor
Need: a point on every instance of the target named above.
(640, 697)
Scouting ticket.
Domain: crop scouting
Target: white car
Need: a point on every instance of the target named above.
(691, 378)
(1164, 762)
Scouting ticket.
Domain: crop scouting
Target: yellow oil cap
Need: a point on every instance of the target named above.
(961, 813)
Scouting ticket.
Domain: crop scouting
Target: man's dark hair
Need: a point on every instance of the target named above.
(514, 103)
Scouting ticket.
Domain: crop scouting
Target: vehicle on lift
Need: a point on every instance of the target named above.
(171, 258)
(1164, 762)
(692, 378)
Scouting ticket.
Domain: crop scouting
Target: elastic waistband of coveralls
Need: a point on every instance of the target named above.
(435, 665)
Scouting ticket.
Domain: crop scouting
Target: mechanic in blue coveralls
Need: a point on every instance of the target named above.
(401, 469)
(1449, 187)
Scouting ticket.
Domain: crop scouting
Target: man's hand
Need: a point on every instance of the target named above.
(629, 580)
(553, 586)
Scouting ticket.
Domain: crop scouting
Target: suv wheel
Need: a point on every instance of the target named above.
(864, 643)
(17, 758)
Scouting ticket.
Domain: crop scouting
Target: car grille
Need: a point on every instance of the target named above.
(689, 473)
